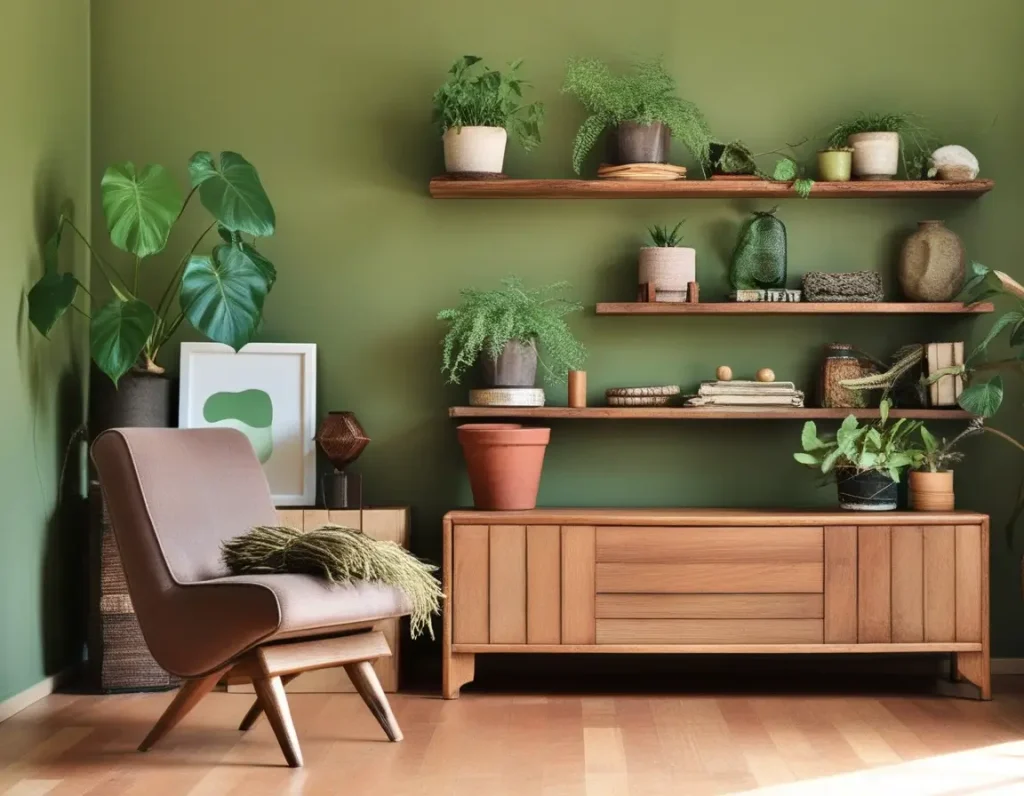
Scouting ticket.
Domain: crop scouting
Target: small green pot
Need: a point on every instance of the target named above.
(834, 165)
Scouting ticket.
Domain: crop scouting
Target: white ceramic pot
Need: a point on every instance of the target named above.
(876, 156)
(480, 149)
(670, 269)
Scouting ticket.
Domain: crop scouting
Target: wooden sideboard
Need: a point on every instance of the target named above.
(715, 581)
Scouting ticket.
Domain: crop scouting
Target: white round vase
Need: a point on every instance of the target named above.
(670, 269)
(876, 156)
(474, 149)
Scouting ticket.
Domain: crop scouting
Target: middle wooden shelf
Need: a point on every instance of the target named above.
(693, 413)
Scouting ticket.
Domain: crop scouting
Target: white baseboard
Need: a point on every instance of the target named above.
(19, 702)
(1008, 666)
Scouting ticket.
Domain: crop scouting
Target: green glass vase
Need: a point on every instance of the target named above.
(760, 258)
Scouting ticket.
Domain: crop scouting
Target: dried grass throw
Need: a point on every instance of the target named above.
(341, 555)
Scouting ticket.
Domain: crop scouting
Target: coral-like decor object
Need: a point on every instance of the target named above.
(341, 438)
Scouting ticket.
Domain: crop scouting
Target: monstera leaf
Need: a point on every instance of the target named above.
(141, 207)
(49, 299)
(119, 332)
(231, 190)
(249, 252)
(222, 296)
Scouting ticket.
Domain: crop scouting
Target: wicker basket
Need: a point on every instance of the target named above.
(854, 286)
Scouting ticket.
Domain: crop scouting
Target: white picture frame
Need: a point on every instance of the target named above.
(267, 391)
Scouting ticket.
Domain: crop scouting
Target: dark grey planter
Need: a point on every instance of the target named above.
(516, 367)
(141, 399)
(643, 143)
(869, 490)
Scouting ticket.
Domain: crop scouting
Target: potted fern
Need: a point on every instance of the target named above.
(476, 109)
(865, 460)
(667, 265)
(643, 108)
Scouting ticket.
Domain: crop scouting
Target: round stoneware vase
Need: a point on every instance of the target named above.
(479, 150)
(516, 366)
(835, 165)
(876, 156)
(933, 263)
(505, 462)
(932, 491)
(670, 269)
(643, 143)
(866, 490)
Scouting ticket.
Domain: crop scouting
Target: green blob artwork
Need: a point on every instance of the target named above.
(250, 411)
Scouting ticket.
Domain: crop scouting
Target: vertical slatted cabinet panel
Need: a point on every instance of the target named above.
(579, 592)
(543, 584)
(507, 584)
(470, 590)
(841, 584)
(874, 583)
(970, 583)
(908, 584)
(940, 583)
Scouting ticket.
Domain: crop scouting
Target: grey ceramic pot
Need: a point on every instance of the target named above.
(141, 399)
(515, 367)
(643, 143)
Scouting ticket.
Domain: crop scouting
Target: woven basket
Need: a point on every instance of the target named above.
(341, 438)
(853, 286)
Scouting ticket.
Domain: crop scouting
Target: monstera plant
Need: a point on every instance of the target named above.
(221, 293)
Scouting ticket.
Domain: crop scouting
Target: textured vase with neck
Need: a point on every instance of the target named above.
(933, 263)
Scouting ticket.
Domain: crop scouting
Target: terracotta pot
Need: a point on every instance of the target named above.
(516, 366)
(643, 143)
(834, 165)
(504, 462)
(670, 268)
(933, 263)
(876, 156)
(932, 491)
(475, 149)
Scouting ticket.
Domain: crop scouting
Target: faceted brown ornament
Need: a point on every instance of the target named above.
(341, 438)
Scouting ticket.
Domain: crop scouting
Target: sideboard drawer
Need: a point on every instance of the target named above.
(768, 577)
(710, 631)
(640, 545)
(710, 606)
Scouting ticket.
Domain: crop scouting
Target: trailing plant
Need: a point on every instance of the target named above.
(663, 237)
(917, 142)
(486, 320)
(737, 158)
(788, 170)
(646, 95)
(475, 96)
(876, 446)
(220, 293)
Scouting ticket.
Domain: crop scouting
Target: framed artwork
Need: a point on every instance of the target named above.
(268, 392)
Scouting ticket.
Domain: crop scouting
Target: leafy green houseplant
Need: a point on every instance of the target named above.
(865, 459)
(880, 141)
(668, 266)
(486, 322)
(931, 479)
(643, 105)
(736, 158)
(221, 293)
(476, 108)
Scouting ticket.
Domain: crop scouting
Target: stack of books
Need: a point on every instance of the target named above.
(747, 393)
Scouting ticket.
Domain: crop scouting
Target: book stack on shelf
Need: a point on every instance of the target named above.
(747, 393)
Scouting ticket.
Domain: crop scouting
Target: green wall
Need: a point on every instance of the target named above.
(44, 158)
(332, 102)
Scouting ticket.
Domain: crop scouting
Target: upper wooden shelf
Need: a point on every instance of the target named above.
(695, 413)
(447, 188)
(792, 308)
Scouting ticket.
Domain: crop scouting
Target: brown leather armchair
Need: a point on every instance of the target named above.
(173, 496)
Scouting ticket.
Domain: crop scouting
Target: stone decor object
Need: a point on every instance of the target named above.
(933, 264)
(848, 287)
(955, 163)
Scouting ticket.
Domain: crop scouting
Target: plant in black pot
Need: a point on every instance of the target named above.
(866, 460)
(643, 108)
(220, 291)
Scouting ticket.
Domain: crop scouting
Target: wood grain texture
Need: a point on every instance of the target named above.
(908, 584)
(731, 648)
(507, 584)
(709, 545)
(709, 631)
(695, 413)
(276, 660)
(874, 581)
(543, 584)
(270, 692)
(793, 308)
(710, 606)
(445, 188)
(185, 699)
(840, 584)
(578, 584)
(968, 583)
(940, 583)
(710, 578)
(459, 668)
(717, 518)
(470, 591)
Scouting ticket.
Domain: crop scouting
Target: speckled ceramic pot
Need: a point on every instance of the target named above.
(933, 264)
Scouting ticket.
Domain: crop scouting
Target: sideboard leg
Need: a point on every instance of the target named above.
(975, 668)
(458, 669)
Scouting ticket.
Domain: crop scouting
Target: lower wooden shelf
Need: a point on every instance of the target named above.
(694, 413)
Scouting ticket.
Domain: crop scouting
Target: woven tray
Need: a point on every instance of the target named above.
(642, 392)
(507, 396)
(641, 171)
(650, 400)
(865, 286)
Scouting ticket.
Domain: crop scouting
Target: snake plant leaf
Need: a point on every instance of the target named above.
(49, 299)
(119, 332)
(984, 398)
(231, 190)
(222, 296)
(140, 207)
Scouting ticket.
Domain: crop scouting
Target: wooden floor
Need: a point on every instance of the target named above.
(492, 745)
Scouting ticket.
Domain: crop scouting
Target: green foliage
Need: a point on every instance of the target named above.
(736, 158)
(475, 96)
(664, 237)
(876, 446)
(221, 295)
(787, 170)
(646, 95)
(917, 142)
(936, 455)
(486, 320)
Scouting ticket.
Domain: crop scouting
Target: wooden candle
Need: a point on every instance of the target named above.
(577, 388)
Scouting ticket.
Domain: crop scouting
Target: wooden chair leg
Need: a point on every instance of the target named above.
(270, 692)
(188, 696)
(364, 678)
(257, 707)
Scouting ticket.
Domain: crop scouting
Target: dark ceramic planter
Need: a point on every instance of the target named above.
(643, 143)
(141, 399)
(870, 490)
(515, 367)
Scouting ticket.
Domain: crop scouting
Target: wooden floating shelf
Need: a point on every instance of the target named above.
(695, 413)
(447, 188)
(792, 308)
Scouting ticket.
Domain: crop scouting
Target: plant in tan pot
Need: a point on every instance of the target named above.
(476, 109)
(931, 480)
(881, 141)
(667, 265)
